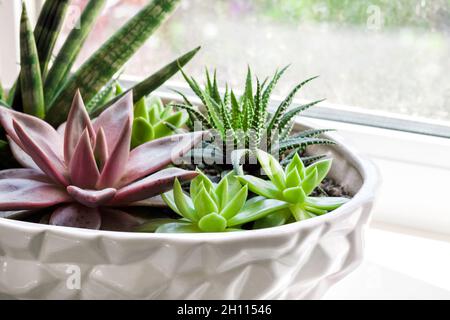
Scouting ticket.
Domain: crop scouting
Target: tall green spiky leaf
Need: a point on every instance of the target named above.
(48, 28)
(286, 118)
(66, 57)
(30, 74)
(285, 104)
(46, 32)
(148, 85)
(107, 60)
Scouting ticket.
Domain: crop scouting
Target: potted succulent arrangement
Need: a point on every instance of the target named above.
(134, 196)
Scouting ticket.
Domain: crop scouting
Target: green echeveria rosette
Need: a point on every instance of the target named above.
(294, 184)
(153, 120)
(211, 207)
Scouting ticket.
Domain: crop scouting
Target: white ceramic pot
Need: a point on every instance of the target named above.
(296, 261)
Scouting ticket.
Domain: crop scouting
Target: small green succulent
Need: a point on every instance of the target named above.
(294, 184)
(213, 207)
(153, 120)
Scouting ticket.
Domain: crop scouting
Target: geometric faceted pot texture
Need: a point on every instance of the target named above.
(294, 261)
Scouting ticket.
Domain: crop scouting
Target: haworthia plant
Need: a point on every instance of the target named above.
(212, 207)
(293, 185)
(106, 61)
(30, 75)
(247, 118)
(69, 52)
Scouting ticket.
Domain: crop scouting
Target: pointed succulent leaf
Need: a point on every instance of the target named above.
(277, 116)
(272, 168)
(256, 210)
(30, 74)
(49, 163)
(293, 179)
(294, 195)
(259, 186)
(212, 222)
(101, 152)
(169, 198)
(289, 115)
(204, 204)
(326, 203)
(82, 166)
(183, 202)
(140, 110)
(289, 144)
(198, 182)
(235, 204)
(77, 216)
(222, 193)
(153, 82)
(115, 166)
(310, 182)
(77, 122)
(315, 211)
(296, 164)
(21, 156)
(28, 189)
(141, 133)
(114, 120)
(152, 185)
(68, 53)
(322, 166)
(91, 198)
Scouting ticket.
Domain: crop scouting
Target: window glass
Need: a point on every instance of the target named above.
(390, 55)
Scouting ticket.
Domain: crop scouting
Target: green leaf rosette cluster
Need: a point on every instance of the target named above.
(294, 186)
(211, 207)
(153, 120)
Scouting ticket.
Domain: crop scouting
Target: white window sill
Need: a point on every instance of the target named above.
(398, 266)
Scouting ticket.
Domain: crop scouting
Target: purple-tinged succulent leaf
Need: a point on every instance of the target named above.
(77, 216)
(21, 156)
(150, 186)
(115, 166)
(117, 220)
(27, 189)
(114, 119)
(25, 174)
(101, 152)
(77, 122)
(91, 198)
(157, 154)
(40, 131)
(47, 162)
(82, 166)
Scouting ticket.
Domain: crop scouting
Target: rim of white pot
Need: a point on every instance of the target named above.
(365, 194)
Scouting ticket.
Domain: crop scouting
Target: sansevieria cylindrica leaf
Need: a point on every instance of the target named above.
(46, 32)
(148, 85)
(30, 74)
(69, 52)
(106, 61)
